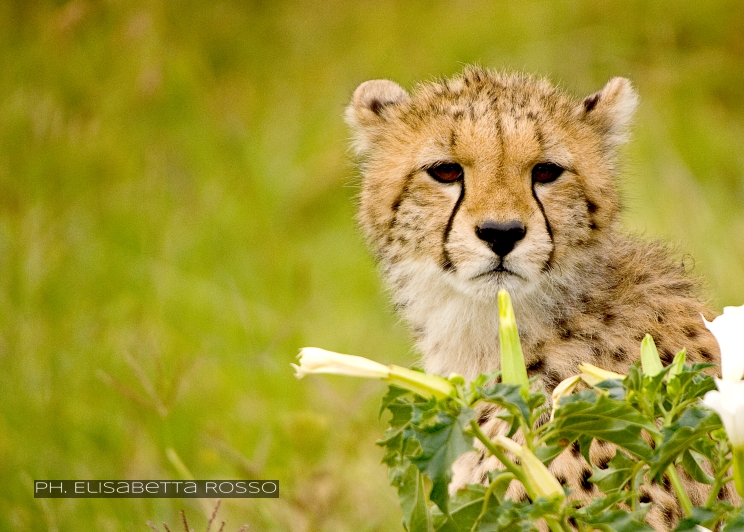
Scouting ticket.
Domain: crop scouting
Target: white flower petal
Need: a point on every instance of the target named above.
(728, 328)
(564, 388)
(728, 403)
(592, 375)
(316, 360)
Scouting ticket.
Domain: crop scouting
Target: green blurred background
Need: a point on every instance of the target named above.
(176, 220)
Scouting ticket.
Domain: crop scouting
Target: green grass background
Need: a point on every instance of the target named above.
(176, 204)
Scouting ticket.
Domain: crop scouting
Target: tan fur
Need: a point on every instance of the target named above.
(582, 290)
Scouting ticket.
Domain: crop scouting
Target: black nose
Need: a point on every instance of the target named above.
(501, 236)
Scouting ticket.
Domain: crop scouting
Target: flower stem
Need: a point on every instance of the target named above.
(490, 493)
(684, 500)
(501, 456)
(738, 468)
(554, 524)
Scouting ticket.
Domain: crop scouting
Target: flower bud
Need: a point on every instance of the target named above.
(592, 375)
(542, 482)
(316, 360)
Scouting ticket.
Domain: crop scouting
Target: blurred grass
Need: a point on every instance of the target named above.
(176, 205)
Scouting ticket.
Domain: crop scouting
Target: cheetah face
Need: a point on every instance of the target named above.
(486, 181)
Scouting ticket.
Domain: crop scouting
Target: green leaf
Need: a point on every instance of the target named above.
(693, 424)
(735, 522)
(392, 394)
(653, 385)
(584, 442)
(398, 432)
(678, 363)
(471, 392)
(698, 517)
(467, 513)
(617, 474)
(601, 417)
(650, 360)
(513, 516)
(600, 515)
(613, 387)
(443, 439)
(499, 481)
(692, 462)
(413, 501)
(691, 383)
(548, 453)
(507, 396)
(465, 508)
(619, 521)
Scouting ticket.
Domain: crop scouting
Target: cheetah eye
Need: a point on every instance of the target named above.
(546, 172)
(446, 173)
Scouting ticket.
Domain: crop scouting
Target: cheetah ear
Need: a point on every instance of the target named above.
(611, 109)
(370, 108)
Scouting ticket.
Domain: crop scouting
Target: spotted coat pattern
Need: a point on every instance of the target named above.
(583, 290)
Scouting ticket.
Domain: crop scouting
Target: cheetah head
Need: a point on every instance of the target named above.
(486, 180)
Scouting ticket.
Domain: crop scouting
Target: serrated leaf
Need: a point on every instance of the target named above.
(398, 432)
(536, 399)
(617, 474)
(466, 513)
(510, 516)
(507, 396)
(402, 412)
(600, 515)
(691, 382)
(618, 521)
(604, 418)
(413, 501)
(692, 425)
(392, 394)
(465, 508)
(598, 506)
(443, 439)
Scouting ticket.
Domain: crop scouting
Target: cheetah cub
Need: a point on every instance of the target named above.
(497, 180)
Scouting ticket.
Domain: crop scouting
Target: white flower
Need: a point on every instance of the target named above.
(728, 400)
(316, 360)
(728, 328)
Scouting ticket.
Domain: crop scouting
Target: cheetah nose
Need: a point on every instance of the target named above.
(502, 237)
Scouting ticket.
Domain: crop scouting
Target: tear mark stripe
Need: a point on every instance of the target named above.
(549, 262)
(446, 260)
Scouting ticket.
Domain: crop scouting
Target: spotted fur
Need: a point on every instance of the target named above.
(582, 289)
